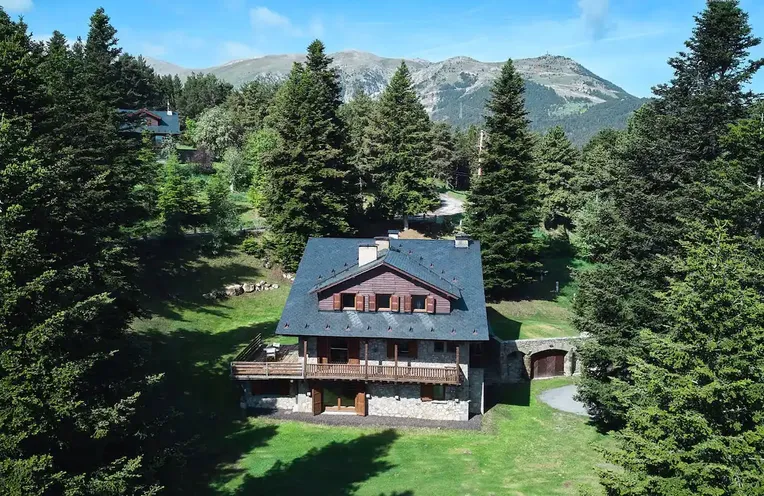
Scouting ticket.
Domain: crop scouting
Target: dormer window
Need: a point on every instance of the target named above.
(384, 302)
(419, 303)
(348, 301)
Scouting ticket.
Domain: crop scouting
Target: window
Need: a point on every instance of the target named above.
(440, 346)
(348, 301)
(403, 349)
(383, 302)
(439, 392)
(419, 303)
(452, 347)
(338, 350)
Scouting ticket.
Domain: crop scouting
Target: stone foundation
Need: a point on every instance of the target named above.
(409, 403)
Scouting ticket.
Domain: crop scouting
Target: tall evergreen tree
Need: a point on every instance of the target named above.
(557, 158)
(697, 397)
(401, 147)
(444, 162)
(665, 159)
(309, 187)
(502, 206)
(358, 116)
(202, 92)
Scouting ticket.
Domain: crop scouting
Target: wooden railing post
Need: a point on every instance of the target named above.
(366, 356)
(266, 369)
(304, 356)
(395, 368)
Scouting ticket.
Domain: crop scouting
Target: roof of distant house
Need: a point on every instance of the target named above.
(457, 272)
(168, 123)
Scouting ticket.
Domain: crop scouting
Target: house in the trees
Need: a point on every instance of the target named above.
(158, 123)
(385, 326)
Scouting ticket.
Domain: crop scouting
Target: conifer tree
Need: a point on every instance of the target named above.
(177, 202)
(309, 183)
(358, 116)
(557, 158)
(502, 205)
(665, 162)
(401, 147)
(697, 396)
(443, 158)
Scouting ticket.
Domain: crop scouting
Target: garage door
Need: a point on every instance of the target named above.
(548, 363)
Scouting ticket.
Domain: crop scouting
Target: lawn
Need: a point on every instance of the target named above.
(525, 447)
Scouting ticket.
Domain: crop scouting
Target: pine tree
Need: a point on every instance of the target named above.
(443, 159)
(221, 217)
(401, 148)
(358, 116)
(502, 206)
(665, 157)
(697, 396)
(309, 183)
(177, 202)
(557, 158)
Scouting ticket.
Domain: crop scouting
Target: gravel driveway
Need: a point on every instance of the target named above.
(561, 398)
(449, 205)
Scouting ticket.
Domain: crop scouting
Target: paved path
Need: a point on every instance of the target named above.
(449, 205)
(561, 398)
(371, 421)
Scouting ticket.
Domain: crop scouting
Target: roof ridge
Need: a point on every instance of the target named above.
(427, 268)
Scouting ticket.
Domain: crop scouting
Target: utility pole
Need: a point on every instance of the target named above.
(460, 111)
(480, 153)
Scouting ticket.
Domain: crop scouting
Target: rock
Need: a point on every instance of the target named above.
(275, 286)
(233, 290)
(261, 283)
(267, 264)
(248, 287)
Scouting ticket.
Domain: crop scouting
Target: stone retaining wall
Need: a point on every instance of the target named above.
(515, 356)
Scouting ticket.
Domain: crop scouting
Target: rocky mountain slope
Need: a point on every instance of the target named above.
(558, 89)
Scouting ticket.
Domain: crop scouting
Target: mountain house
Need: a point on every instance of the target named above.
(385, 326)
(158, 123)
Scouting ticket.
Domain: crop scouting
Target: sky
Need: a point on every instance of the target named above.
(625, 41)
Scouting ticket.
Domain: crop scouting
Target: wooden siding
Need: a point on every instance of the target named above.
(381, 281)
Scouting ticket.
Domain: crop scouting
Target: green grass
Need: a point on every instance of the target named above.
(526, 448)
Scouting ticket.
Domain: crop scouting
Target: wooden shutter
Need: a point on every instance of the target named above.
(427, 392)
(390, 348)
(317, 402)
(354, 350)
(337, 301)
(412, 348)
(394, 303)
(360, 403)
(431, 304)
(372, 302)
(359, 303)
(323, 349)
(407, 303)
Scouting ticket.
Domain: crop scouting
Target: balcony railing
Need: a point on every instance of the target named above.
(444, 374)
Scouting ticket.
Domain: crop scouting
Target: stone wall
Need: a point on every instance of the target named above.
(477, 390)
(409, 403)
(515, 356)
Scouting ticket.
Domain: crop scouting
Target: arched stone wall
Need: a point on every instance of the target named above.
(516, 356)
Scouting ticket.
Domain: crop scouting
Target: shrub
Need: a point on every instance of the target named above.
(253, 246)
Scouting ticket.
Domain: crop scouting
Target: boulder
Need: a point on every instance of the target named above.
(275, 286)
(233, 290)
(248, 287)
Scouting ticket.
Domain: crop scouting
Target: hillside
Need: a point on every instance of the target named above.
(558, 89)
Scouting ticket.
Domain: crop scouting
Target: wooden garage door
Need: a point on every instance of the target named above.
(548, 363)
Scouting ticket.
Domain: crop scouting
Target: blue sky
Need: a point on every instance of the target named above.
(624, 41)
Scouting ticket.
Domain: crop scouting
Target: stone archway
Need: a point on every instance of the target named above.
(548, 363)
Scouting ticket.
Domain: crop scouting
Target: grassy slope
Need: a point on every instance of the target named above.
(528, 447)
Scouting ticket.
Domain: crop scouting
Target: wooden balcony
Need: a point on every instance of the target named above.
(445, 374)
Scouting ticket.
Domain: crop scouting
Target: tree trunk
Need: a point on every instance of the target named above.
(231, 187)
(405, 222)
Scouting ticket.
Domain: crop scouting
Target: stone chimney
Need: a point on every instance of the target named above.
(461, 241)
(382, 242)
(169, 112)
(393, 233)
(367, 253)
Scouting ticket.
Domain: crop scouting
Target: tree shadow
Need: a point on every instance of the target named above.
(517, 394)
(559, 260)
(502, 326)
(335, 469)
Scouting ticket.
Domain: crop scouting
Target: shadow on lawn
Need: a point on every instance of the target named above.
(517, 394)
(501, 326)
(335, 469)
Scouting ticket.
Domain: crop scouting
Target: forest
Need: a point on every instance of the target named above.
(668, 212)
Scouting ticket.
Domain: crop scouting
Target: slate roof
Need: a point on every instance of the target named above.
(168, 124)
(398, 260)
(458, 269)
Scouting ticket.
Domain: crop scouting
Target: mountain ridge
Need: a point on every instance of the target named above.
(559, 90)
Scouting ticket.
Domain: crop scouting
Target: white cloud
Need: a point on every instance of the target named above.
(153, 49)
(264, 19)
(594, 13)
(17, 5)
(42, 37)
(236, 50)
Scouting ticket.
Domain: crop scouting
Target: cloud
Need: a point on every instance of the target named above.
(264, 19)
(153, 49)
(17, 5)
(594, 13)
(236, 50)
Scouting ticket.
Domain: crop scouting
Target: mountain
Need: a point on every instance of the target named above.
(559, 91)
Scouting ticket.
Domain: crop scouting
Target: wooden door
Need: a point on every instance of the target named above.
(318, 406)
(548, 363)
(323, 349)
(354, 350)
(360, 403)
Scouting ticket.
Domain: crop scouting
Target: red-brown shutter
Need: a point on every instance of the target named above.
(394, 303)
(390, 348)
(360, 404)
(354, 352)
(323, 349)
(412, 349)
(337, 301)
(372, 302)
(318, 406)
(407, 303)
(428, 391)
(430, 304)
(359, 303)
